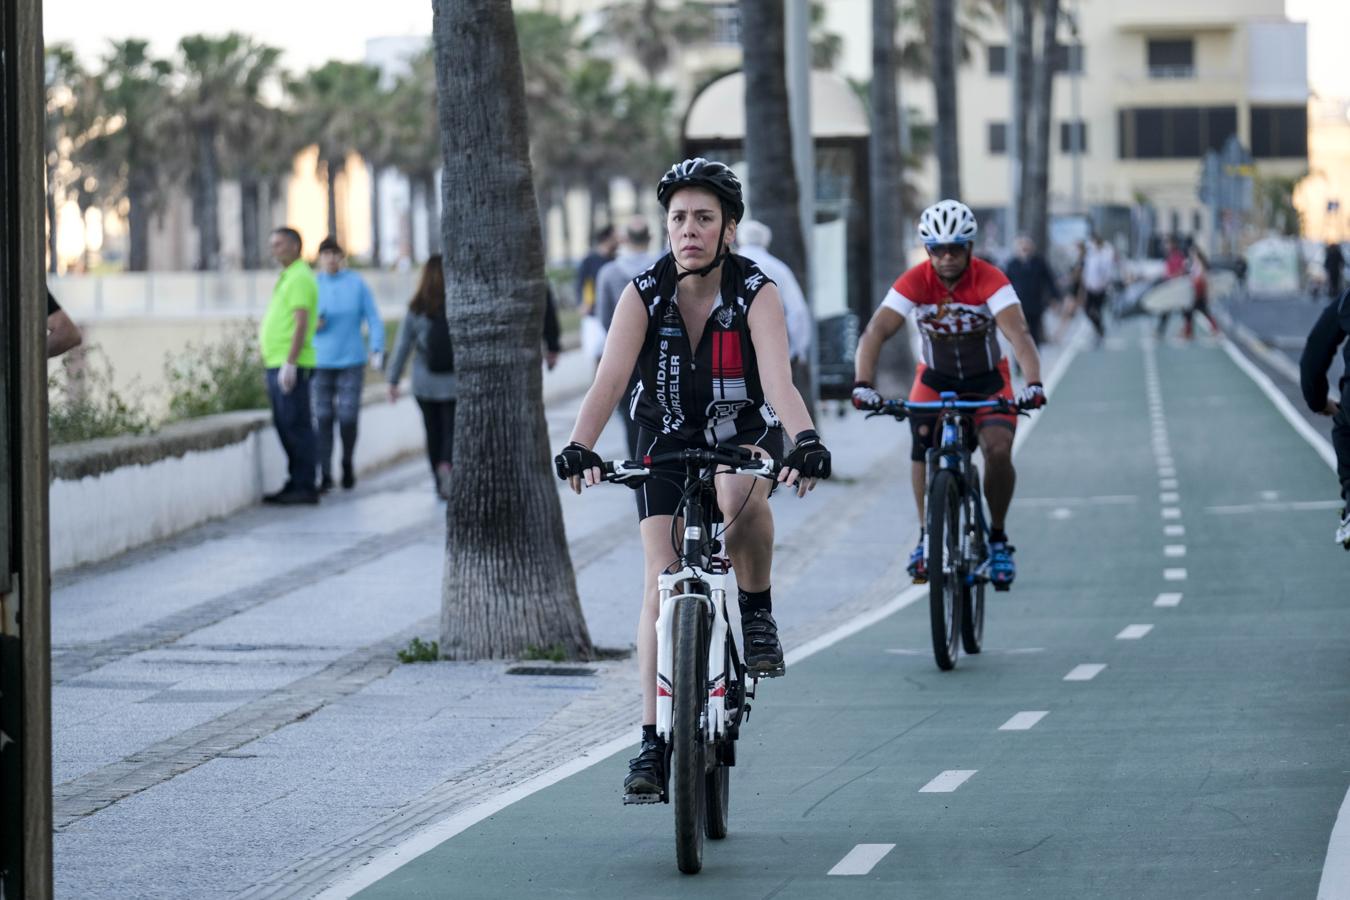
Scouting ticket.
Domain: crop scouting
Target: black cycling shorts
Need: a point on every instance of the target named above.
(660, 494)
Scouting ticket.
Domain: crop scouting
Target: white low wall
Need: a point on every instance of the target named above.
(98, 516)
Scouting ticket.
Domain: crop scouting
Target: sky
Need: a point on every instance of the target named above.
(312, 32)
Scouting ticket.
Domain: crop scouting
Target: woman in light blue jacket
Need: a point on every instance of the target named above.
(345, 302)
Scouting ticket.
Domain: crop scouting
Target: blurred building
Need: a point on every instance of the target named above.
(1323, 198)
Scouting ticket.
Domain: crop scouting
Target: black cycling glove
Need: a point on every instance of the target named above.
(575, 459)
(809, 456)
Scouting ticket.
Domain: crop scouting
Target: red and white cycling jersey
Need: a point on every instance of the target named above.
(957, 324)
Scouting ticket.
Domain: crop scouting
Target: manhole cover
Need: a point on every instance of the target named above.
(549, 670)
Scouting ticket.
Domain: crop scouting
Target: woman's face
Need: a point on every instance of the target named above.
(693, 223)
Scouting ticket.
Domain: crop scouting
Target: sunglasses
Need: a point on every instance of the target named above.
(947, 249)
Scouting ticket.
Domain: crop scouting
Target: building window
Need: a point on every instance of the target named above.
(1069, 59)
(726, 24)
(998, 138)
(998, 59)
(1279, 132)
(1071, 131)
(1174, 132)
(1171, 58)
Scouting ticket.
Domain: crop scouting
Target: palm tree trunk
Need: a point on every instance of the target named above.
(1023, 100)
(1037, 199)
(138, 225)
(332, 170)
(509, 583)
(944, 89)
(248, 221)
(560, 198)
(51, 220)
(434, 242)
(768, 129)
(376, 233)
(208, 211)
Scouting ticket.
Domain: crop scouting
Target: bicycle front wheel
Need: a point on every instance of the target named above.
(945, 577)
(719, 775)
(688, 769)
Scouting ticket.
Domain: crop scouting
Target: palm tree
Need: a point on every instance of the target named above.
(654, 32)
(134, 140)
(65, 83)
(944, 88)
(886, 169)
(1036, 190)
(337, 107)
(509, 583)
(416, 129)
(768, 131)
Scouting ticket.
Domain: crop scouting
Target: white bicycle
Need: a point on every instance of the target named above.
(701, 692)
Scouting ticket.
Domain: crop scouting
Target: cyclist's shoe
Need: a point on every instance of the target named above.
(918, 565)
(763, 652)
(646, 781)
(1343, 533)
(1002, 569)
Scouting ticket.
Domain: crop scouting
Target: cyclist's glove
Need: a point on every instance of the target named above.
(865, 396)
(575, 459)
(809, 456)
(1032, 396)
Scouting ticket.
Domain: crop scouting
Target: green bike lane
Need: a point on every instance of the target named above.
(1208, 757)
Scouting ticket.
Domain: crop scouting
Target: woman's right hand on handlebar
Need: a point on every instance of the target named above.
(577, 462)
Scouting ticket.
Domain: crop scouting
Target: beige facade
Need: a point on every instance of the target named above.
(1323, 198)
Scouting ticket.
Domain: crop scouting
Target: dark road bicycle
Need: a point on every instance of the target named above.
(701, 692)
(958, 529)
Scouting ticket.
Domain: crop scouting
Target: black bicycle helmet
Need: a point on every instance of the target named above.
(704, 173)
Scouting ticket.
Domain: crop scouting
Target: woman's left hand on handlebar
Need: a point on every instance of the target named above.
(576, 463)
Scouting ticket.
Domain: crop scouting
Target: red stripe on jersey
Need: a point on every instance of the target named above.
(726, 360)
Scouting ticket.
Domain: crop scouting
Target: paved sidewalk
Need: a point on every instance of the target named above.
(230, 718)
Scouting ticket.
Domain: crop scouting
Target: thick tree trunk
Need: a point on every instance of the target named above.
(250, 234)
(886, 171)
(509, 583)
(332, 171)
(376, 232)
(434, 226)
(51, 220)
(944, 90)
(1037, 199)
(774, 192)
(208, 210)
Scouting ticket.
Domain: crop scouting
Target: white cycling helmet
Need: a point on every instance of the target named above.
(947, 222)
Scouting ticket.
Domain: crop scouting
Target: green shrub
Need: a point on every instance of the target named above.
(419, 650)
(83, 404)
(217, 377)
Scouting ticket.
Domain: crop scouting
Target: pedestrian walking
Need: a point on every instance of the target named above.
(1073, 295)
(1099, 269)
(1328, 333)
(1174, 266)
(1199, 270)
(592, 334)
(1334, 264)
(286, 338)
(752, 241)
(342, 351)
(425, 337)
(634, 258)
(1031, 278)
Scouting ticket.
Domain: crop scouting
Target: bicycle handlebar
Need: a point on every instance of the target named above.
(735, 459)
(901, 408)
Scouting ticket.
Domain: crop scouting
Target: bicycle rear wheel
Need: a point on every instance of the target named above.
(944, 567)
(972, 595)
(688, 769)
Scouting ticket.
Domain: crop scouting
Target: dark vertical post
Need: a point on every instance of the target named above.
(25, 643)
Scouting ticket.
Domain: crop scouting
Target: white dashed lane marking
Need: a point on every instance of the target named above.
(861, 859)
(1169, 497)
(1133, 632)
(1024, 721)
(1174, 574)
(1085, 672)
(1167, 472)
(1174, 551)
(1171, 512)
(948, 781)
(1174, 530)
(1168, 484)
(1168, 599)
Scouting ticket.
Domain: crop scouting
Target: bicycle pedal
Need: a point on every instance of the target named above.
(921, 579)
(642, 799)
(1002, 587)
(776, 672)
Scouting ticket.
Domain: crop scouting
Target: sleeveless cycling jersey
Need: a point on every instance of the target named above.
(957, 324)
(709, 393)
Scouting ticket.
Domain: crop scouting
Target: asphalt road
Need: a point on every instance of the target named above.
(1161, 709)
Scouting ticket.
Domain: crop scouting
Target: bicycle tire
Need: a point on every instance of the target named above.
(688, 769)
(719, 776)
(972, 595)
(944, 553)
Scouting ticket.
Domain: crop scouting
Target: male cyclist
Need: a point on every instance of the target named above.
(1327, 334)
(957, 301)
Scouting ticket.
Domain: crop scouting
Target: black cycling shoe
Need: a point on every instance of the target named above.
(763, 652)
(646, 781)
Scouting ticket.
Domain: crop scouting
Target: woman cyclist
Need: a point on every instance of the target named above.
(705, 329)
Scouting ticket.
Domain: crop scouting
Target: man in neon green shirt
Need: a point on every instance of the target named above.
(286, 338)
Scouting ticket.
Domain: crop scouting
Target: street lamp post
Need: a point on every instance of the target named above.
(1076, 126)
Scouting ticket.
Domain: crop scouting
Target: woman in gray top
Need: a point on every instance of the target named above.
(425, 336)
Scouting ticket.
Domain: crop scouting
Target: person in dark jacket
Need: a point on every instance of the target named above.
(1033, 281)
(1328, 333)
(1334, 263)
